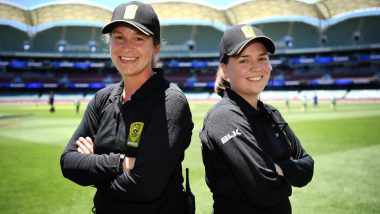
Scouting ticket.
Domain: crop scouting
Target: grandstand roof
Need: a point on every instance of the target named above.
(38, 15)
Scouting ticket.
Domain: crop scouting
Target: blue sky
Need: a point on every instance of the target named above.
(113, 3)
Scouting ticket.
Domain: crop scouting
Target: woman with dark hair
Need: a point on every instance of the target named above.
(251, 156)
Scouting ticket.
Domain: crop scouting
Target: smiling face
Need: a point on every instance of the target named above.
(248, 72)
(132, 52)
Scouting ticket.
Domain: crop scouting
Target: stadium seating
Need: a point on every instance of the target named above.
(178, 77)
(348, 57)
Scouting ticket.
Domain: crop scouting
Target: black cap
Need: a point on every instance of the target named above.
(238, 36)
(138, 14)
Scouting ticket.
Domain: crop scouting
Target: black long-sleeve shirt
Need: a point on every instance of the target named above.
(240, 146)
(154, 185)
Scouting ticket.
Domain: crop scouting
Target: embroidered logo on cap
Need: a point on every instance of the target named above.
(130, 11)
(248, 31)
(135, 131)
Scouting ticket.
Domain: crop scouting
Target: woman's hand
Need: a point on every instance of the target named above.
(128, 163)
(85, 145)
(279, 170)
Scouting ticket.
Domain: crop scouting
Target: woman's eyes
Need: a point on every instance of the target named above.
(139, 39)
(263, 59)
(120, 37)
(117, 37)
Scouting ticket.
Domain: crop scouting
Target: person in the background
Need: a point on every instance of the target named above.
(252, 157)
(333, 103)
(287, 103)
(132, 139)
(304, 103)
(77, 105)
(315, 100)
(51, 102)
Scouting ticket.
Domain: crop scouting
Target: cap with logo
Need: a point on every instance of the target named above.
(140, 15)
(237, 37)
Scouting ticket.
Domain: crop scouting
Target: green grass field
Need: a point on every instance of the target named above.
(345, 145)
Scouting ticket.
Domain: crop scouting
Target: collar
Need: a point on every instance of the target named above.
(145, 88)
(244, 105)
(151, 84)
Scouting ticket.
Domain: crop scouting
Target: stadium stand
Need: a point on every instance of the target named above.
(304, 35)
(278, 31)
(343, 34)
(47, 41)
(12, 40)
(176, 35)
(325, 45)
(368, 33)
(207, 39)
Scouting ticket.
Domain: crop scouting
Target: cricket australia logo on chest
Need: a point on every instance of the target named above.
(229, 136)
(134, 136)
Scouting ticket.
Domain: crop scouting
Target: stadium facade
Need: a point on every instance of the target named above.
(328, 44)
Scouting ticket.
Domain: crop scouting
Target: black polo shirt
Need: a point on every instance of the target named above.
(155, 126)
(240, 146)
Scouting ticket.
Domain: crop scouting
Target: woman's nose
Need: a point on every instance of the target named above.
(126, 44)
